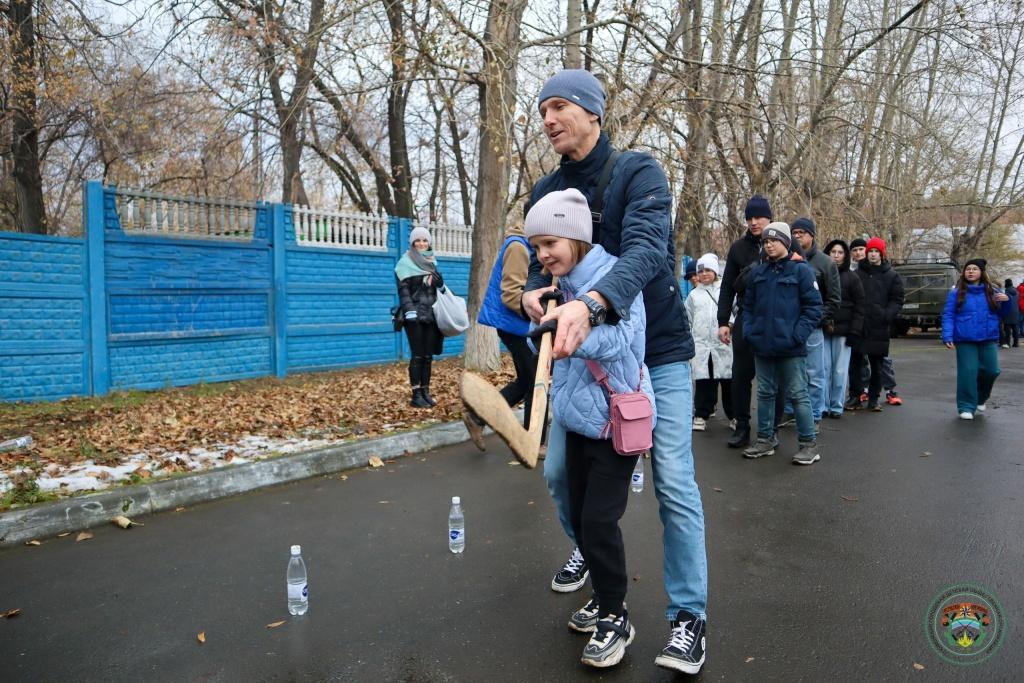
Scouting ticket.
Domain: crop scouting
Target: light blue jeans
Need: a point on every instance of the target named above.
(675, 486)
(788, 375)
(837, 372)
(817, 375)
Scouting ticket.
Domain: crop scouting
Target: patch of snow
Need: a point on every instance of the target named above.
(88, 476)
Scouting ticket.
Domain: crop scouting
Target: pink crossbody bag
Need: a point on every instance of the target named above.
(630, 415)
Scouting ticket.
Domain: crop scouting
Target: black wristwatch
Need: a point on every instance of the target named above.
(598, 313)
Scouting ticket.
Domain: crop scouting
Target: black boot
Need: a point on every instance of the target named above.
(425, 368)
(740, 436)
(415, 369)
(418, 399)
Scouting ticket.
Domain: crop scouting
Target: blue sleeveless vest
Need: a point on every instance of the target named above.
(493, 312)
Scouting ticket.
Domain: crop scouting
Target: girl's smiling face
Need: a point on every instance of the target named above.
(421, 245)
(972, 273)
(556, 254)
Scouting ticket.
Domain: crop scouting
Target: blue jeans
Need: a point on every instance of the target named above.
(977, 366)
(791, 375)
(817, 375)
(675, 486)
(837, 372)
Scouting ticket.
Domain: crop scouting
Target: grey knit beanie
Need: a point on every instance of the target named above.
(420, 233)
(578, 86)
(564, 213)
(778, 231)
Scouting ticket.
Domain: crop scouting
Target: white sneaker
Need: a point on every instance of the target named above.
(966, 415)
(981, 408)
(699, 424)
(1004, 346)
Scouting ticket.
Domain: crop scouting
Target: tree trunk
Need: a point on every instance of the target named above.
(574, 16)
(497, 105)
(28, 180)
(398, 96)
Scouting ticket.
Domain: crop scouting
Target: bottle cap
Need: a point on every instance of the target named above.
(296, 550)
(456, 500)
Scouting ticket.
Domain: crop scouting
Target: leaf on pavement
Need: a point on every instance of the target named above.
(383, 502)
(343, 477)
(748, 660)
(33, 542)
(512, 462)
(180, 508)
(83, 536)
(66, 533)
(850, 499)
(919, 667)
(124, 522)
(10, 614)
(717, 488)
(275, 624)
(201, 637)
(924, 455)
(376, 462)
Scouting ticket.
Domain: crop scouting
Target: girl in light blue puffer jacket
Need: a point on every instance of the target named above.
(559, 228)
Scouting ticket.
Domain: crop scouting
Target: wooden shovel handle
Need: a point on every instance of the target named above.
(541, 383)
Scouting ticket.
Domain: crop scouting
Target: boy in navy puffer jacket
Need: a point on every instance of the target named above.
(560, 228)
(783, 306)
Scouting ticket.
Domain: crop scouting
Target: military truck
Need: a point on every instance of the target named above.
(926, 285)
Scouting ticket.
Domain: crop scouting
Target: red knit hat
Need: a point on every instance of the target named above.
(876, 243)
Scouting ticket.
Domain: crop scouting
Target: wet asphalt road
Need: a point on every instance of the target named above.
(804, 584)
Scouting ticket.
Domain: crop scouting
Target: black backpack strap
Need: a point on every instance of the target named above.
(597, 203)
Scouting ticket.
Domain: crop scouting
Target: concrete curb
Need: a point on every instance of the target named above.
(82, 512)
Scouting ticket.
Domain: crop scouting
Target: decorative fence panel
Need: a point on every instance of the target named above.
(171, 291)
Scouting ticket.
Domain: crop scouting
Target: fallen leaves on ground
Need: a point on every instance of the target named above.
(850, 499)
(83, 536)
(66, 533)
(201, 637)
(10, 614)
(33, 542)
(275, 624)
(919, 667)
(362, 402)
(717, 489)
(375, 462)
(748, 660)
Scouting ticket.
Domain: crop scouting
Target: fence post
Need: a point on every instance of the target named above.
(278, 247)
(398, 242)
(93, 218)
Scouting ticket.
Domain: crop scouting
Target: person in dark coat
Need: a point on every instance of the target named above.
(970, 324)
(744, 252)
(1010, 324)
(632, 219)
(883, 300)
(846, 328)
(784, 307)
(418, 282)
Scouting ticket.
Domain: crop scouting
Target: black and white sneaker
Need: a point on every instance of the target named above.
(608, 644)
(685, 649)
(584, 619)
(572, 576)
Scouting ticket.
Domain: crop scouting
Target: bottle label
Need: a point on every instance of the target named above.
(454, 534)
(297, 592)
(637, 478)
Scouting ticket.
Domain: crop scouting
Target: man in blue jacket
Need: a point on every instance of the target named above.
(783, 307)
(632, 220)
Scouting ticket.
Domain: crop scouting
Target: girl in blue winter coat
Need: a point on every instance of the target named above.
(559, 227)
(970, 324)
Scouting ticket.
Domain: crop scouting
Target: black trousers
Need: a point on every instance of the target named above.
(859, 367)
(525, 362)
(598, 493)
(1008, 331)
(705, 395)
(423, 340)
(743, 373)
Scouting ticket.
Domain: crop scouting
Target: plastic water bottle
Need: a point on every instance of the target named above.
(456, 527)
(298, 591)
(636, 482)
(16, 444)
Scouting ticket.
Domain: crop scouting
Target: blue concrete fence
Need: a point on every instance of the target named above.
(172, 291)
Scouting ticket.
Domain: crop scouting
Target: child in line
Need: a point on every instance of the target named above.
(970, 324)
(559, 227)
(712, 360)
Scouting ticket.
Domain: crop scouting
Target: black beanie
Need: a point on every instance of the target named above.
(980, 262)
(805, 224)
(859, 242)
(758, 207)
